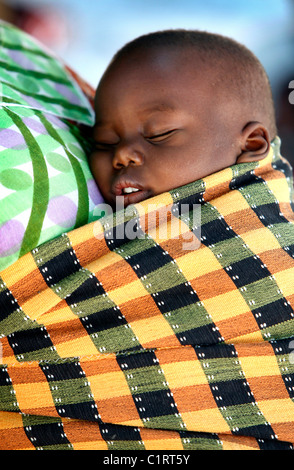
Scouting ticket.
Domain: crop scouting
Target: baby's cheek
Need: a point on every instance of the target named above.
(96, 166)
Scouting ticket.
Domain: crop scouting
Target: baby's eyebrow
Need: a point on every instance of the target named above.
(100, 130)
(160, 107)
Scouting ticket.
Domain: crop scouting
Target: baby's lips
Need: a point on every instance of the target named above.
(121, 184)
(135, 197)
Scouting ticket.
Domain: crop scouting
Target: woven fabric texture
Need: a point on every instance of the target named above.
(116, 343)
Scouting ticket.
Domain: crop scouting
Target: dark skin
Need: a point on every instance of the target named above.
(161, 124)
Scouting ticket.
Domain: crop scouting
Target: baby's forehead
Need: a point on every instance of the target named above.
(163, 57)
(184, 66)
(163, 71)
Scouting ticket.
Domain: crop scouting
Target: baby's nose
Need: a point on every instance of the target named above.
(125, 156)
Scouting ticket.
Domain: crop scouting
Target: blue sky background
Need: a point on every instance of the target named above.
(97, 28)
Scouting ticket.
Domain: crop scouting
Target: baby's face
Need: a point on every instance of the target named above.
(159, 125)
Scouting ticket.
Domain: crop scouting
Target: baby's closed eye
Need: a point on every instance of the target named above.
(103, 146)
(162, 136)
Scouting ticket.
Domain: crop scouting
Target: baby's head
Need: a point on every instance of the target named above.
(176, 106)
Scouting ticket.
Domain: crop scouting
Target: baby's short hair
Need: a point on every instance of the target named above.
(241, 71)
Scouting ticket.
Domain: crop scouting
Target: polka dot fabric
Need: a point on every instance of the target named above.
(46, 187)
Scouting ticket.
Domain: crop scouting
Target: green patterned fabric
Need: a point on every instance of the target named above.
(46, 187)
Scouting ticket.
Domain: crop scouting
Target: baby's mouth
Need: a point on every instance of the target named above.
(132, 195)
(130, 190)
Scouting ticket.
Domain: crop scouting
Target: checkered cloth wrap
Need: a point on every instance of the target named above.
(114, 344)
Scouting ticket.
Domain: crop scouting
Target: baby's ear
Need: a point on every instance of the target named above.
(255, 143)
